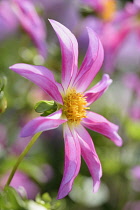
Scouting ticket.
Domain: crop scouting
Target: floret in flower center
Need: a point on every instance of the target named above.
(109, 9)
(74, 107)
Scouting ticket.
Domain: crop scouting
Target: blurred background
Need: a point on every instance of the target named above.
(27, 37)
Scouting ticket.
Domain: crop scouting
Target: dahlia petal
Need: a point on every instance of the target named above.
(72, 161)
(101, 125)
(41, 76)
(69, 49)
(112, 45)
(91, 63)
(95, 92)
(42, 124)
(90, 156)
(32, 24)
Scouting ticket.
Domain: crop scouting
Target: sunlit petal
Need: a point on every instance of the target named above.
(42, 124)
(101, 125)
(72, 161)
(41, 76)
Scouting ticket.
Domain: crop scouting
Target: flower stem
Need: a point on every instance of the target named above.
(22, 155)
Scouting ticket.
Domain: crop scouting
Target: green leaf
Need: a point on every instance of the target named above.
(10, 199)
(45, 107)
(3, 102)
(3, 82)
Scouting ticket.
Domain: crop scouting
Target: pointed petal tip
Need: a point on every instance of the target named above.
(52, 21)
(107, 77)
(13, 66)
(118, 141)
(90, 29)
(92, 62)
(63, 193)
(96, 186)
(17, 65)
(10, 67)
(60, 196)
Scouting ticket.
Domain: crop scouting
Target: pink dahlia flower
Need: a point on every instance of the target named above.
(105, 8)
(72, 101)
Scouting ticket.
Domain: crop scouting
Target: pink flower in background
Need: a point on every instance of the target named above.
(96, 5)
(125, 24)
(32, 23)
(132, 81)
(135, 178)
(135, 172)
(15, 12)
(132, 205)
(105, 8)
(113, 36)
(22, 183)
(111, 32)
(114, 28)
(72, 101)
(54, 9)
(8, 21)
(134, 111)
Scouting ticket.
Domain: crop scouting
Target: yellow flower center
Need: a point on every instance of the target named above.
(109, 9)
(74, 107)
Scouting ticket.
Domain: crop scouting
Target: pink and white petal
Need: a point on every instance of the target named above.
(43, 124)
(60, 87)
(97, 91)
(41, 76)
(72, 161)
(90, 156)
(91, 63)
(101, 125)
(69, 50)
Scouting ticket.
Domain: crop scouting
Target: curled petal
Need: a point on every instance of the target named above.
(69, 49)
(42, 124)
(32, 24)
(72, 161)
(90, 156)
(41, 76)
(91, 63)
(94, 93)
(101, 125)
(112, 45)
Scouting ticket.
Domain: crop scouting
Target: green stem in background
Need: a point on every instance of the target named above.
(22, 155)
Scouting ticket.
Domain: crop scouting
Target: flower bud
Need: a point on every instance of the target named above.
(3, 102)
